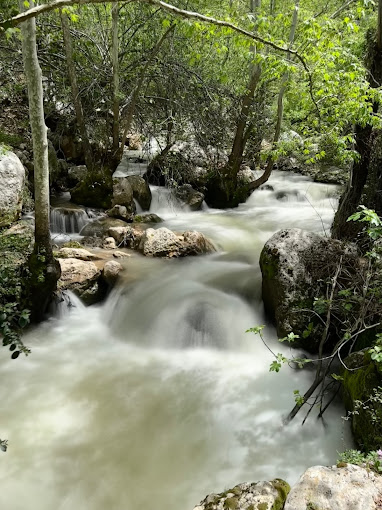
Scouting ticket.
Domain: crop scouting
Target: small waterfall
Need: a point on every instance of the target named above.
(67, 221)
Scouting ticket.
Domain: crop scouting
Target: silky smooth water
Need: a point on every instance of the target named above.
(158, 396)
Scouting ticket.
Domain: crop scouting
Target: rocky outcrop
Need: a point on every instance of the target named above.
(339, 488)
(249, 496)
(189, 197)
(81, 277)
(12, 178)
(294, 263)
(165, 243)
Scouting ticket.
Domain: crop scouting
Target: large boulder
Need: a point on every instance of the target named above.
(81, 277)
(141, 191)
(189, 197)
(249, 496)
(12, 178)
(336, 488)
(123, 194)
(165, 243)
(76, 174)
(94, 190)
(294, 264)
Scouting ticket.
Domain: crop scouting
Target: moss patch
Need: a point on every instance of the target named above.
(359, 385)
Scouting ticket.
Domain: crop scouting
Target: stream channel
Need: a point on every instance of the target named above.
(158, 397)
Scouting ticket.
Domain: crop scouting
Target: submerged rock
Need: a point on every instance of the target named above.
(12, 178)
(249, 496)
(336, 488)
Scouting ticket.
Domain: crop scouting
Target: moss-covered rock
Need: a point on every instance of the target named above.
(95, 190)
(249, 496)
(295, 266)
(363, 394)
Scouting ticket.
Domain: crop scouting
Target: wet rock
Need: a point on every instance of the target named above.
(141, 191)
(121, 212)
(82, 278)
(111, 271)
(127, 236)
(109, 243)
(165, 243)
(120, 254)
(339, 488)
(249, 496)
(75, 253)
(95, 190)
(12, 178)
(123, 193)
(101, 226)
(189, 197)
(147, 218)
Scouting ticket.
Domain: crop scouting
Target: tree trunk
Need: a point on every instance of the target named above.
(44, 269)
(76, 98)
(115, 62)
(280, 109)
(363, 170)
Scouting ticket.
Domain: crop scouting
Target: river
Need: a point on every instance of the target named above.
(158, 397)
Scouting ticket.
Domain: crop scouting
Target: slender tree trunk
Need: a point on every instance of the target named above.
(235, 158)
(115, 62)
(76, 98)
(280, 108)
(44, 269)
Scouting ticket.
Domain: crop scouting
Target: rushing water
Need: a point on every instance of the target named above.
(158, 397)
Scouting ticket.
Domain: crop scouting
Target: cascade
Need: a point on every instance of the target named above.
(158, 397)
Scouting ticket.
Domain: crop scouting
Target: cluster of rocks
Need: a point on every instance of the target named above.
(341, 487)
(91, 274)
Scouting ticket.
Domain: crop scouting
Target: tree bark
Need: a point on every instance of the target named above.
(76, 98)
(115, 62)
(44, 269)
